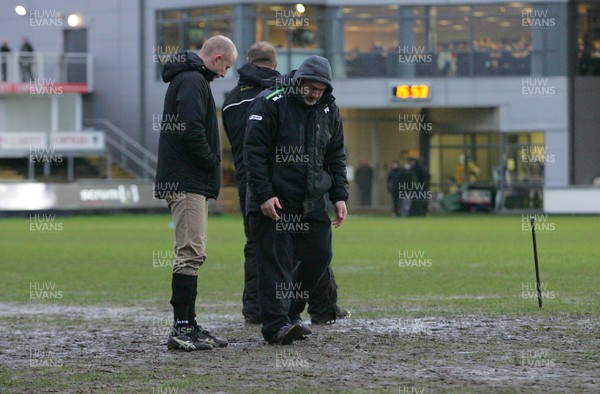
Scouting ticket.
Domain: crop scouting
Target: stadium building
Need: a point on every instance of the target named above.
(496, 99)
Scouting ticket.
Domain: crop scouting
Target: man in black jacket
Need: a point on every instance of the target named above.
(393, 186)
(188, 174)
(294, 155)
(255, 76)
(364, 180)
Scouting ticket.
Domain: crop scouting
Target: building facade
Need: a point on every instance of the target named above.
(496, 97)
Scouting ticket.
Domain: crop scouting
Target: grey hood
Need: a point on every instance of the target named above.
(316, 68)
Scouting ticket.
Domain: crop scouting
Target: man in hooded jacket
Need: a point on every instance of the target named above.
(188, 174)
(293, 155)
(257, 74)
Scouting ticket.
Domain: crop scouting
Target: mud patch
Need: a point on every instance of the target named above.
(58, 348)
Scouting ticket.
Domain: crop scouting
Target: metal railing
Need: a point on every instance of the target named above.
(128, 152)
(19, 67)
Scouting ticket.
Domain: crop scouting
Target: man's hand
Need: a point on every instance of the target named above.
(268, 208)
(340, 213)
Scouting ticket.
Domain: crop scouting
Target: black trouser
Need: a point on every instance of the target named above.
(365, 196)
(418, 207)
(284, 287)
(396, 202)
(322, 301)
(250, 305)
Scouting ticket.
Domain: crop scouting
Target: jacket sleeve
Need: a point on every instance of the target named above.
(258, 146)
(192, 104)
(335, 161)
(234, 123)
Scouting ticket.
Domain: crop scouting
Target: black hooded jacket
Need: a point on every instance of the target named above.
(188, 147)
(295, 151)
(253, 80)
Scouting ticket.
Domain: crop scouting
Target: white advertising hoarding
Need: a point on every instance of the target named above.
(22, 143)
(77, 141)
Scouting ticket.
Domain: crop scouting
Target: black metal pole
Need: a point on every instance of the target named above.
(535, 257)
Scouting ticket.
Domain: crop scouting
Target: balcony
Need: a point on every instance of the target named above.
(46, 73)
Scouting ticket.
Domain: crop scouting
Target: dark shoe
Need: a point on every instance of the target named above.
(185, 339)
(305, 329)
(340, 313)
(204, 336)
(287, 334)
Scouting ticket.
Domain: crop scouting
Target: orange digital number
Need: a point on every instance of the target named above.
(403, 91)
(412, 91)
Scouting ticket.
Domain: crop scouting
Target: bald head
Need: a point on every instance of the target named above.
(262, 54)
(218, 54)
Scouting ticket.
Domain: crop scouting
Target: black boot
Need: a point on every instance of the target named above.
(201, 335)
(183, 336)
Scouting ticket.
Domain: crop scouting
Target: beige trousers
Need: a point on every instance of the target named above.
(190, 217)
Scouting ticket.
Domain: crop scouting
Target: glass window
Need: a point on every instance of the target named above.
(286, 26)
(172, 15)
(475, 161)
(184, 29)
(449, 38)
(446, 41)
(169, 34)
(295, 31)
(501, 46)
(588, 39)
(269, 25)
(370, 29)
(522, 179)
(199, 30)
(464, 159)
(371, 40)
(195, 33)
